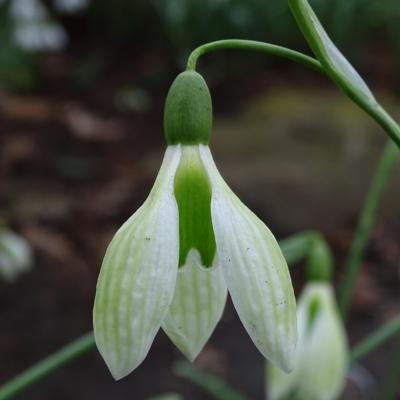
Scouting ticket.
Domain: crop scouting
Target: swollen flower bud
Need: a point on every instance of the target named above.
(188, 110)
(321, 355)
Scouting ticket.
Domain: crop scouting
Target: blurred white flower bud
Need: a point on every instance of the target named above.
(321, 355)
(33, 27)
(15, 255)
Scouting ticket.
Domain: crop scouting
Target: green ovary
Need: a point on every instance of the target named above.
(193, 195)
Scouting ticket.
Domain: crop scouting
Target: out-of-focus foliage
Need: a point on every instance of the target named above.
(180, 25)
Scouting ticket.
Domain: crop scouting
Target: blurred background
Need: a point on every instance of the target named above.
(82, 89)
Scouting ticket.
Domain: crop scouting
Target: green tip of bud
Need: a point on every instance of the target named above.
(188, 110)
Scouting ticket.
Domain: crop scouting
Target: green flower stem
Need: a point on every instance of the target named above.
(366, 221)
(252, 45)
(374, 109)
(47, 366)
(209, 383)
(375, 339)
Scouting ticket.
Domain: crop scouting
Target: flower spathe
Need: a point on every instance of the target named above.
(171, 264)
(321, 360)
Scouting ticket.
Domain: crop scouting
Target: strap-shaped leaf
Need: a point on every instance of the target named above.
(333, 61)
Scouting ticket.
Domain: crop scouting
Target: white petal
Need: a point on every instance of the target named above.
(255, 272)
(198, 304)
(138, 276)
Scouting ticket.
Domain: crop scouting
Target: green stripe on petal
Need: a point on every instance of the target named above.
(193, 195)
(138, 275)
(198, 304)
(255, 272)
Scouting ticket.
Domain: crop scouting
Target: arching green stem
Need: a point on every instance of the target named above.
(251, 45)
(366, 221)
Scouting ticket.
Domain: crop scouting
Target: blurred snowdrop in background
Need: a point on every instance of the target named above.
(15, 255)
(34, 28)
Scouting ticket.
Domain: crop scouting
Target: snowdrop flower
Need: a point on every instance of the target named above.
(322, 354)
(15, 255)
(33, 27)
(172, 262)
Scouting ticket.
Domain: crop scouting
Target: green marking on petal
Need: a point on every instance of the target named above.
(193, 195)
(313, 311)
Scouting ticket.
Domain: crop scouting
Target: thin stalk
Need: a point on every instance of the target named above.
(375, 339)
(366, 221)
(374, 109)
(252, 45)
(47, 366)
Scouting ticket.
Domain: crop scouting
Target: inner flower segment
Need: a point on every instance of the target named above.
(193, 195)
